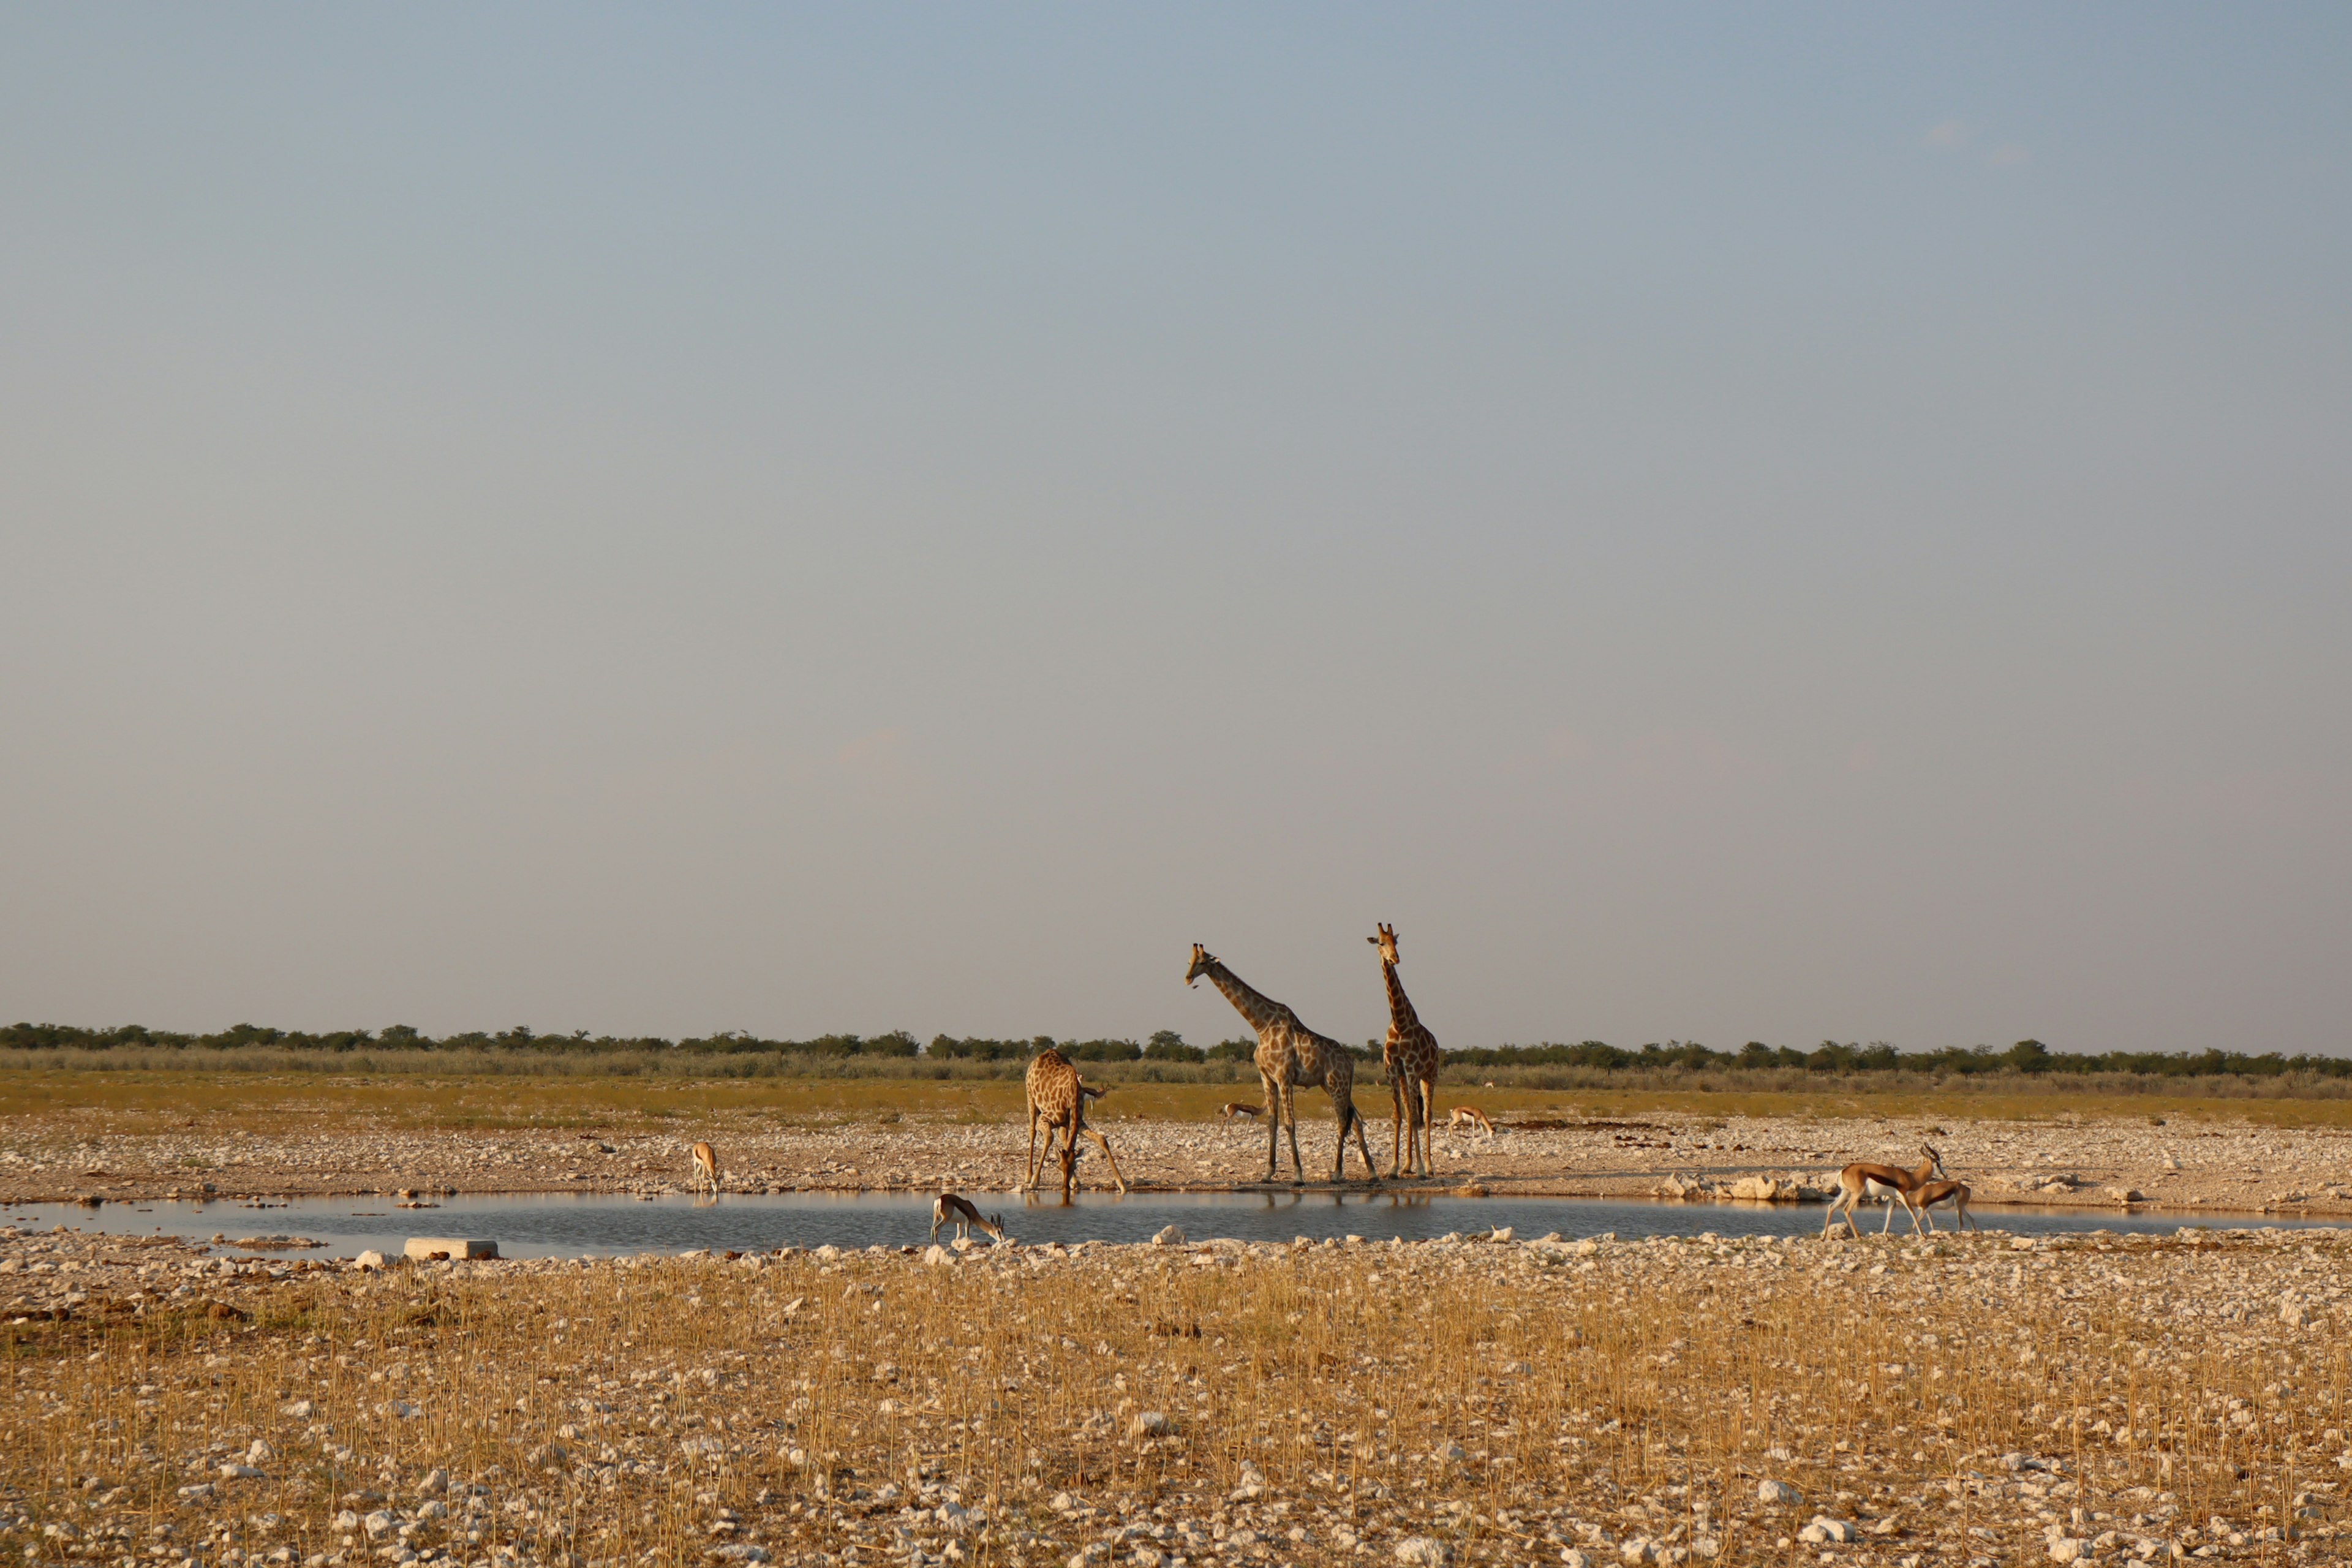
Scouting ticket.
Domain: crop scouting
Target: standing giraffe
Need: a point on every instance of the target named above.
(1409, 1055)
(1292, 1056)
(1057, 1100)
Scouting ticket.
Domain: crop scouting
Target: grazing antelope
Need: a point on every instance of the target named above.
(1862, 1179)
(1934, 1192)
(706, 1169)
(947, 1208)
(1466, 1117)
(1233, 1108)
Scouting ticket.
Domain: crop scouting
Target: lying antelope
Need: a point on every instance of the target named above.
(1469, 1118)
(1861, 1180)
(1233, 1108)
(947, 1208)
(1934, 1192)
(706, 1169)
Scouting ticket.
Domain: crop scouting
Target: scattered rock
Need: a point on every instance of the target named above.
(1169, 1235)
(1779, 1493)
(1423, 1551)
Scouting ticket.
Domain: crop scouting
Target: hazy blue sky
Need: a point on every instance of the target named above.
(1721, 522)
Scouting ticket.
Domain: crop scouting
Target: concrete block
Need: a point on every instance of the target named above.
(422, 1247)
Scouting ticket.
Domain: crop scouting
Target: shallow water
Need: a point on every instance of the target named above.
(568, 1225)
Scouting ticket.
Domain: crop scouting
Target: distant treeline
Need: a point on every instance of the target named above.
(2029, 1057)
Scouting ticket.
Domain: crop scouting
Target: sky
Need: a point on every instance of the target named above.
(1720, 522)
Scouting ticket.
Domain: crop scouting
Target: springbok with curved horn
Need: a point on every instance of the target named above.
(706, 1169)
(1862, 1179)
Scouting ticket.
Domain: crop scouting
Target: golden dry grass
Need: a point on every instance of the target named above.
(613, 1411)
(150, 1103)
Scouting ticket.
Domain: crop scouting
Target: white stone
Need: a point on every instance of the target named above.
(2069, 1549)
(1423, 1551)
(370, 1259)
(1170, 1236)
(938, 1255)
(422, 1247)
(1780, 1492)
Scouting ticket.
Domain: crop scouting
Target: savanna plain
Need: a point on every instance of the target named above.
(1972, 1399)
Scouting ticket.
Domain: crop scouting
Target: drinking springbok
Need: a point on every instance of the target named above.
(706, 1169)
(949, 1209)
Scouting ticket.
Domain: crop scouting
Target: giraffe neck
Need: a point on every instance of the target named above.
(1401, 1013)
(1258, 1010)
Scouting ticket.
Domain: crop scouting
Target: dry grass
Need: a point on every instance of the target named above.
(134, 1102)
(614, 1411)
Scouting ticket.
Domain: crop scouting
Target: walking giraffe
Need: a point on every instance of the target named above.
(1291, 1056)
(1057, 1100)
(1410, 1054)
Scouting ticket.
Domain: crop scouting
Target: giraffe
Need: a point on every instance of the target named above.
(1410, 1054)
(1292, 1056)
(1057, 1100)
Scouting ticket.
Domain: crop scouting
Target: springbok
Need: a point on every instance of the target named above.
(1233, 1108)
(1934, 1192)
(706, 1169)
(1469, 1118)
(1862, 1180)
(949, 1208)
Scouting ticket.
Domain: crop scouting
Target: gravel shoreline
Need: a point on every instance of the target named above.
(2184, 1165)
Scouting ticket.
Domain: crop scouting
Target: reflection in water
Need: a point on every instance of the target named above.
(569, 1225)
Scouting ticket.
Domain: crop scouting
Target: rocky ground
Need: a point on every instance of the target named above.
(1969, 1401)
(2213, 1164)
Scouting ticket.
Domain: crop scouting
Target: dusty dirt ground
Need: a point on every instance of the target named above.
(2206, 1162)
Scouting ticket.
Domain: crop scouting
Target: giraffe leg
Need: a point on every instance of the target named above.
(1029, 1181)
(1290, 1121)
(1428, 1087)
(1371, 1170)
(1396, 1130)
(1342, 1113)
(1104, 1144)
(1273, 1122)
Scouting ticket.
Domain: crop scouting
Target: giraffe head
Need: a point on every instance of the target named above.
(1202, 959)
(1386, 943)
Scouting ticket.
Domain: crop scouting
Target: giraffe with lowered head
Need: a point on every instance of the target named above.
(1058, 1101)
(1290, 1056)
(1409, 1055)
